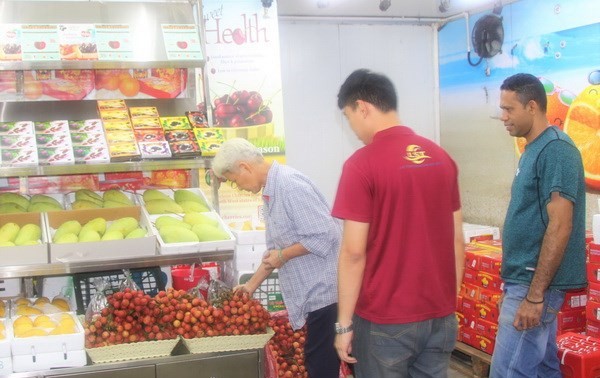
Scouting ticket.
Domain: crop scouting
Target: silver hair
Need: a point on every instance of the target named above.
(232, 152)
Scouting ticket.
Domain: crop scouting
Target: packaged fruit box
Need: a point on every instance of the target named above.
(115, 233)
(22, 239)
(248, 232)
(6, 337)
(47, 341)
(191, 232)
(173, 201)
(89, 199)
(38, 306)
(4, 309)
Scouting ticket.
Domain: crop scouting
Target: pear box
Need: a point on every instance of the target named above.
(24, 254)
(76, 251)
(182, 240)
(31, 352)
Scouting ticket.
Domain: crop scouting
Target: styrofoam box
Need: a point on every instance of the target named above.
(249, 237)
(473, 232)
(24, 254)
(45, 361)
(6, 308)
(10, 287)
(100, 250)
(45, 307)
(171, 193)
(5, 342)
(180, 248)
(248, 257)
(5, 365)
(49, 344)
(70, 198)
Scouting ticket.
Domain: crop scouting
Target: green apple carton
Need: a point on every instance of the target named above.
(35, 252)
(65, 249)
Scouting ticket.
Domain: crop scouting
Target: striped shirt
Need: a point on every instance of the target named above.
(295, 211)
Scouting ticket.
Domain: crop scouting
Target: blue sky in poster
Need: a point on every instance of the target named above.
(539, 38)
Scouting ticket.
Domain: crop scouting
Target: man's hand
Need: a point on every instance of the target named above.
(244, 289)
(343, 346)
(271, 259)
(528, 315)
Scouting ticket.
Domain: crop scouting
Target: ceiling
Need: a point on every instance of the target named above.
(371, 8)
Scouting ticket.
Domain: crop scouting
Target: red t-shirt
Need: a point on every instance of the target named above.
(406, 187)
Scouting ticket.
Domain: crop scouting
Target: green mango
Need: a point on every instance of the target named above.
(206, 232)
(64, 238)
(85, 204)
(11, 207)
(16, 198)
(182, 195)
(89, 195)
(166, 220)
(163, 206)
(137, 233)
(9, 232)
(193, 207)
(124, 225)
(43, 207)
(154, 194)
(44, 198)
(30, 232)
(112, 235)
(89, 235)
(110, 204)
(32, 242)
(175, 234)
(96, 224)
(116, 195)
(198, 218)
(6, 244)
(68, 227)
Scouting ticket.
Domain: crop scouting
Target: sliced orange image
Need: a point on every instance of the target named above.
(583, 126)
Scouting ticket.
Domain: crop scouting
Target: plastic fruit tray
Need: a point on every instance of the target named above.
(133, 351)
(228, 343)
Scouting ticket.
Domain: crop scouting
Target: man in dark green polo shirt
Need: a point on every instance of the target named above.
(543, 235)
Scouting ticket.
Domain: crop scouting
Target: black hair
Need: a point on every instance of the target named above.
(527, 88)
(368, 86)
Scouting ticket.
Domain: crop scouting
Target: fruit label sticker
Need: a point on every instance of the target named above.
(182, 42)
(40, 42)
(10, 42)
(114, 42)
(77, 42)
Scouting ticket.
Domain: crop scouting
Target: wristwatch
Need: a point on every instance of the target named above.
(339, 329)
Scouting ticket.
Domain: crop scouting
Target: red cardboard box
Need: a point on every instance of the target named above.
(485, 344)
(592, 311)
(486, 329)
(574, 299)
(579, 355)
(592, 328)
(470, 276)
(594, 254)
(487, 311)
(490, 281)
(491, 262)
(468, 308)
(574, 319)
(593, 272)
(593, 292)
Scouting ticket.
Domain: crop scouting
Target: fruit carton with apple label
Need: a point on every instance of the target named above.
(126, 234)
(31, 247)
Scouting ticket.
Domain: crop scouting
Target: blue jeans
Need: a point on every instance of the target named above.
(419, 349)
(530, 353)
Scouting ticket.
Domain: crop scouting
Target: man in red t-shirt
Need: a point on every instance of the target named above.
(402, 252)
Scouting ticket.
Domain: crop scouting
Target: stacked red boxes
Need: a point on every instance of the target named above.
(478, 300)
(571, 317)
(593, 291)
(579, 355)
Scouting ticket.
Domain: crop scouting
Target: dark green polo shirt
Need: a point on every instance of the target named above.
(550, 163)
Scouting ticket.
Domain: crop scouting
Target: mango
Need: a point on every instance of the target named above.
(9, 232)
(96, 224)
(112, 235)
(116, 195)
(15, 198)
(89, 195)
(33, 332)
(44, 198)
(64, 238)
(197, 218)
(137, 233)
(43, 319)
(165, 220)
(63, 305)
(68, 227)
(206, 232)
(10, 207)
(89, 235)
(28, 233)
(124, 225)
(85, 204)
(175, 234)
(7, 244)
(154, 194)
(63, 330)
(193, 207)
(163, 206)
(43, 207)
(182, 195)
(112, 204)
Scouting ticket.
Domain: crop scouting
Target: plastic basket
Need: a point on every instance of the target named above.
(228, 343)
(149, 280)
(268, 293)
(133, 351)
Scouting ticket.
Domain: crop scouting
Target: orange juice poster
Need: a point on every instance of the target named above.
(244, 80)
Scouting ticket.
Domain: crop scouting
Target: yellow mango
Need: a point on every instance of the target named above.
(10, 208)
(112, 235)
(28, 233)
(89, 235)
(154, 194)
(96, 224)
(137, 233)
(175, 234)
(193, 207)
(125, 225)
(206, 232)
(9, 232)
(197, 218)
(68, 227)
(15, 198)
(182, 195)
(66, 238)
(116, 195)
(89, 195)
(163, 206)
(85, 204)
(166, 220)
(43, 207)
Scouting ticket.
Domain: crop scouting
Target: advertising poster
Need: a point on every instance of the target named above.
(10, 42)
(114, 41)
(244, 80)
(181, 42)
(40, 42)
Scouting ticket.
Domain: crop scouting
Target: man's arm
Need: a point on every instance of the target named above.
(459, 248)
(560, 224)
(353, 256)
